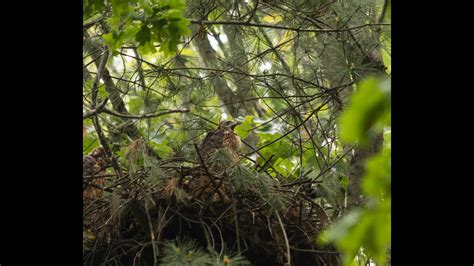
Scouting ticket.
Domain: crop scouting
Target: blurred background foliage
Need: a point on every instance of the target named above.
(366, 230)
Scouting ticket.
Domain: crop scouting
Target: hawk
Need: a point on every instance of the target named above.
(220, 152)
(221, 138)
(94, 165)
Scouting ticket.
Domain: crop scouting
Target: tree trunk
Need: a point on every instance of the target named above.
(373, 66)
(209, 59)
(357, 165)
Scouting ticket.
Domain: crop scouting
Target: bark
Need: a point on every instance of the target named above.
(372, 60)
(357, 164)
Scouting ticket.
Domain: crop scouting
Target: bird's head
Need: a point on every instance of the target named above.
(228, 124)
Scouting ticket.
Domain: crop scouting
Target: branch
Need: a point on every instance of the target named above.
(88, 184)
(152, 235)
(384, 9)
(100, 72)
(273, 26)
(105, 145)
(288, 254)
(253, 12)
(110, 112)
(91, 23)
(265, 164)
(96, 111)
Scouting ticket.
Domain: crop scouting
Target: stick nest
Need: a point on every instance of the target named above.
(168, 212)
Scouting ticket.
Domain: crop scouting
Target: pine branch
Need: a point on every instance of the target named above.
(273, 26)
(143, 116)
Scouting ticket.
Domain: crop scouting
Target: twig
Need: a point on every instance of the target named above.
(253, 12)
(91, 23)
(273, 26)
(100, 72)
(110, 112)
(96, 186)
(314, 251)
(97, 110)
(152, 236)
(105, 145)
(266, 162)
(216, 189)
(384, 8)
(237, 233)
(287, 243)
(90, 177)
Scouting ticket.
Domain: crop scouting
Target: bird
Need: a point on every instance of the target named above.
(94, 165)
(219, 152)
(222, 138)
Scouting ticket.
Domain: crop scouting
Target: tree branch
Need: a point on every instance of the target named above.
(97, 110)
(287, 243)
(110, 112)
(91, 23)
(273, 26)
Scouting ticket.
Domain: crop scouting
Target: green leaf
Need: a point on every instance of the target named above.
(165, 17)
(143, 36)
(368, 106)
(89, 143)
(345, 182)
(280, 149)
(162, 149)
(130, 30)
(110, 40)
(367, 229)
(370, 227)
(243, 130)
(341, 228)
(158, 24)
(91, 7)
(135, 105)
(377, 178)
(102, 92)
(284, 166)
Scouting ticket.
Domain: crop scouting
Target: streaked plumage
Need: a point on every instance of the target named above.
(93, 165)
(221, 142)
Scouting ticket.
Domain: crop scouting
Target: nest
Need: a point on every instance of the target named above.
(235, 213)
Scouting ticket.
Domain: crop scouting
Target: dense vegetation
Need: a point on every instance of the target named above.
(309, 82)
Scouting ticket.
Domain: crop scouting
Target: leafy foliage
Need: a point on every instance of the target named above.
(368, 228)
(369, 106)
(144, 22)
(244, 129)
